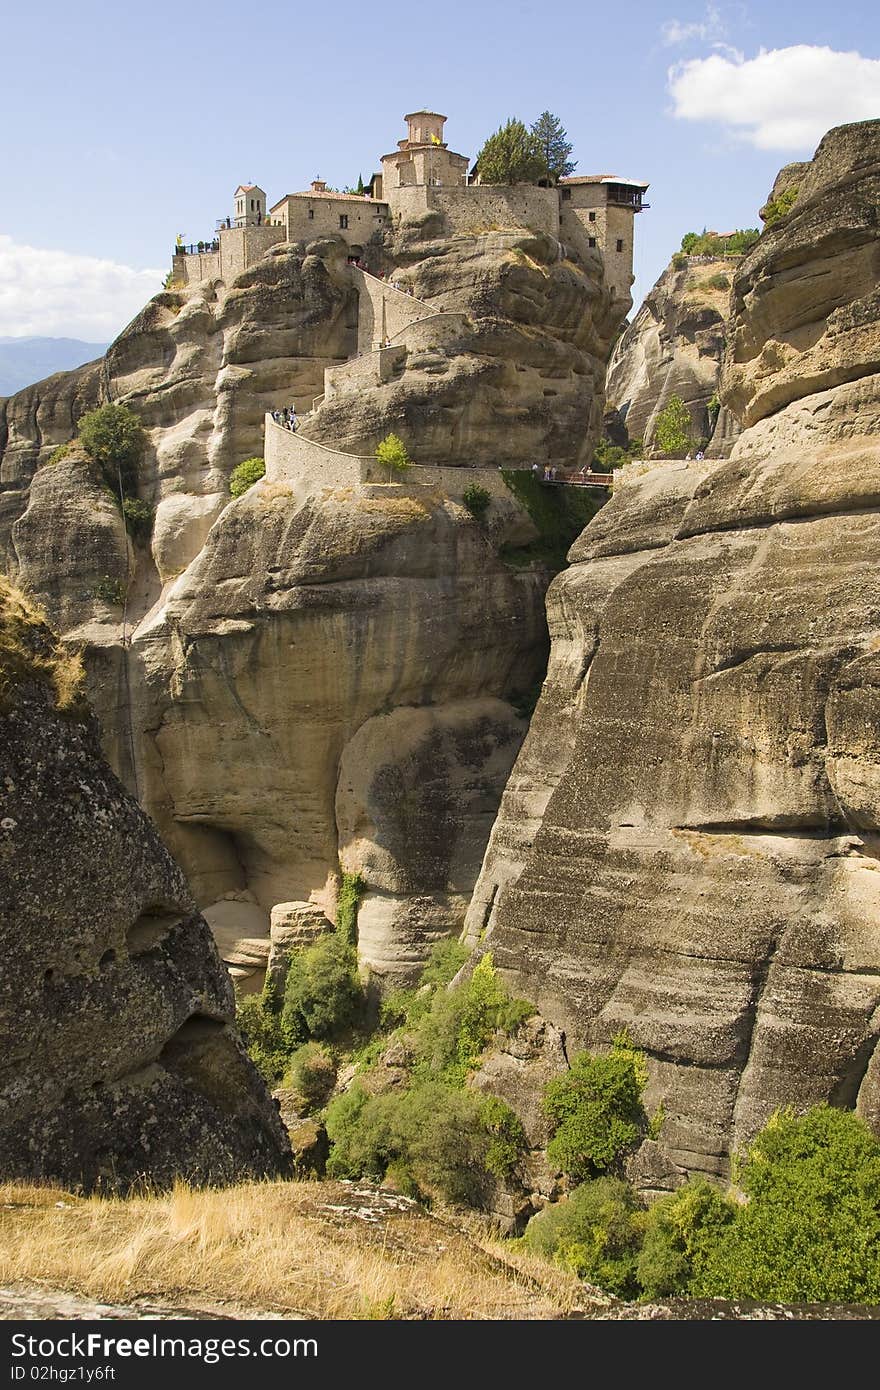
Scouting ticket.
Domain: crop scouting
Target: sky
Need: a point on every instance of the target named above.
(125, 125)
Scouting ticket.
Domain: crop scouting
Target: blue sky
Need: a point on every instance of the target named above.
(125, 125)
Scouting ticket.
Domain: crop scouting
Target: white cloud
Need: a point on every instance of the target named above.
(784, 99)
(711, 26)
(55, 294)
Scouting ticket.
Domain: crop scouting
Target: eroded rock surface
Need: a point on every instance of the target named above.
(688, 844)
(118, 1056)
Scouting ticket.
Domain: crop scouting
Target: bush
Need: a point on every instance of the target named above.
(811, 1228)
(115, 439)
(679, 261)
(558, 513)
(312, 1072)
(245, 474)
(777, 208)
(597, 1111)
(435, 1140)
(323, 994)
(138, 517)
(61, 452)
(673, 430)
(348, 898)
(680, 1231)
(391, 451)
(711, 244)
(718, 282)
(260, 1029)
(113, 591)
(477, 500)
(461, 1022)
(596, 1233)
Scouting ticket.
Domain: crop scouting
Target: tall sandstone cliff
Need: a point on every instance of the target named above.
(119, 1061)
(688, 844)
(674, 347)
(316, 676)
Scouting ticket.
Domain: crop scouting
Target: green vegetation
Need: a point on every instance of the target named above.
(392, 453)
(608, 456)
(323, 995)
(29, 652)
(350, 892)
(477, 500)
(61, 452)
(312, 1072)
(811, 1227)
(776, 208)
(679, 1233)
(711, 244)
(717, 282)
(138, 517)
(111, 591)
(597, 1111)
(596, 1233)
(559, 514)
(114, 438)
(554, 145)
(245, 474)
(512, 155)
(673, 431)
(433, 1136)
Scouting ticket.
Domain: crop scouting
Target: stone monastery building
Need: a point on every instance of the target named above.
(591, 213)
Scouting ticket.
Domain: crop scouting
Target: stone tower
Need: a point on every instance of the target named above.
(600, 209)
(250, 205)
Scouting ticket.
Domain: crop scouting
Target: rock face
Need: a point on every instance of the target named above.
(318, 675)
(673, 347)
(118, 1057)
(688, 844)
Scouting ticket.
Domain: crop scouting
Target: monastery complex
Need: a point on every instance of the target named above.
(594, 212)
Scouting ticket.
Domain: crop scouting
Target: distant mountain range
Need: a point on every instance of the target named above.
(26, 360)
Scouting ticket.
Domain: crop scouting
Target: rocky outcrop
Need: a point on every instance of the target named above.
(321, 675)
(119, 1061)
(673, 347)
(688, 844)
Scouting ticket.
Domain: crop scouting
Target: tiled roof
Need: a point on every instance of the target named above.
(247, 188)
(336, 197)
(604, 178)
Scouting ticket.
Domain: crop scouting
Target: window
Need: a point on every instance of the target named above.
(592, 217)
(566, 195)
(343, 221)
(619, 244)
(592, 241)
(252, 205)
(311, 212)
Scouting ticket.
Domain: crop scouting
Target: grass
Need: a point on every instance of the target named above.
(321, 1249)
(29, 652)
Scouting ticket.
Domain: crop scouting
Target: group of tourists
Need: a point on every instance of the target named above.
(549, 474)
(286, 417)
(380, 275)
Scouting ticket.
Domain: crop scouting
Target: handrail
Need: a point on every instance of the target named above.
(316, 444)
(386, 284)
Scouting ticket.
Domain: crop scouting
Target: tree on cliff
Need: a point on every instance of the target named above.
(554, 145)
(673, 431)
(511, 155)
(114, 437)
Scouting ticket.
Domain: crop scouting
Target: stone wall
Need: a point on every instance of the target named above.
(481, 207)
(369, 369)
(240, 247)
(383, 311)
(305, 219)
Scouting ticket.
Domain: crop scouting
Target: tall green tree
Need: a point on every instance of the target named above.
(554, 145)
(673, 431)
(511, 155)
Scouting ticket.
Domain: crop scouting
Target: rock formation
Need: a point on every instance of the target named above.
(316, 676)
(688, 845)
(674, 347)
(118, 1057)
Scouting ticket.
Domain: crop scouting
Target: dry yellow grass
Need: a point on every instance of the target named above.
(324, 1250)
(29, 650)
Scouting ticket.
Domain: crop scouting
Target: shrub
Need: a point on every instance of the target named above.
(777, 208)
(391, 451)
(348, 898)
(245, 474)
(679, 261)
(434, 1139)
(811, 1228)
(323, 995)
(461, 1022)
(260, 1029)
(597, 1111)
(111, 591)
(477, 500)
(113, 436)
(673, 429)
(445, 959)
(680, 1231)
(312, 1072)
(559, 515)
(596, 1232)
(718, 282)
(61, 452)
(138, 517)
